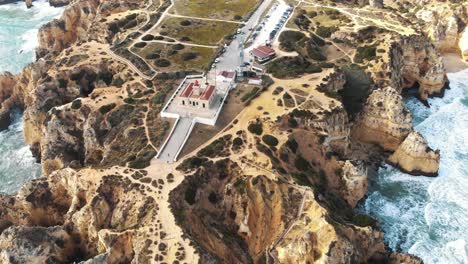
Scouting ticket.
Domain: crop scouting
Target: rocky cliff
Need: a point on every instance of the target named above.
(278, 184)
(416, 63)
(384, 119)
(414, 156)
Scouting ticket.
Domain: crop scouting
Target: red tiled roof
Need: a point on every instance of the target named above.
(228, 74)
(187, 91)
(208, 93)
(263, 52)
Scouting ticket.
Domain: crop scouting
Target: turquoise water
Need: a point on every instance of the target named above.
(424, 216)
(18, 39)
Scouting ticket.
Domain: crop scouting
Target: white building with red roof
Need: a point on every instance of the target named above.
(263, 53)
(197, 95)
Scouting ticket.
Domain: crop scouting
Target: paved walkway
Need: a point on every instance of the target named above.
(175, 143)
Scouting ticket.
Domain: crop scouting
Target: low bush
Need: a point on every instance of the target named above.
(140, 45)
(163, 63)
(185, 23)
(325, 32)
(107, 108)
(189, 56)
(255, 128)
(270, 140)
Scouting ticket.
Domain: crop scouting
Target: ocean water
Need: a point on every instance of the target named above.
(18, 32)
(428, 217)
(18, 39)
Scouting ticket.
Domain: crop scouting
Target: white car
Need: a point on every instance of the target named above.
(217, 60)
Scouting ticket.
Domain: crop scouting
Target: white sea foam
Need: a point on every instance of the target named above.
(18, 32)
(424, 216)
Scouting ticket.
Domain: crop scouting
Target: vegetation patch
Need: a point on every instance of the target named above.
(270, 140)
(198, 31)
(292, 67)
(356, 90)
(221, 9)
(256, 128)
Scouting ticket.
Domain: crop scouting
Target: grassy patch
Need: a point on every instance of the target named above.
(292, 67)
(197, 31)
(200, 58)
(230, 10)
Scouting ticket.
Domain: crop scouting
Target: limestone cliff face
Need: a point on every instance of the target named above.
(414, 156)
(414, 60)
(7, 83)
(102, 215)
(247, 207)
(464, 44)
(444, 23)
(71, 27)
(384, 120)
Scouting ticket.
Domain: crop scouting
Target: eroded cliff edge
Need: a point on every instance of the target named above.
(278, 184)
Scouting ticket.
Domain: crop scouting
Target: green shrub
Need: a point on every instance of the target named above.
(237, 142)
(191, 194)
(363, 220)
(255, 128)
(248, 96)
(365, 53)
(107, 108)
(178, 46)
(270, 140)
(185, 23)
(325, 32)
(76, 104)
(163, 63)
(189, 56)
(302, 164)
(291, 40)
(292, 145)
(240, 185)
(140, 45)
(152, 56)
(147, 37)
(301, 179)
(292, 67)
(159, 98)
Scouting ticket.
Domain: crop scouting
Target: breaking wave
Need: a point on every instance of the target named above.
(428, 217)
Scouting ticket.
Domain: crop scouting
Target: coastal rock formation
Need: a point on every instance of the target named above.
(249, 206)
(355, 182)
(72, 216)
(7, 84)
(464, 44)
(444, 23)
(415, 157)
(384, 120)
(72, 26)
(415, 61)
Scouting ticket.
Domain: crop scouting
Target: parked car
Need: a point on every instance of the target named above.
(217, 60)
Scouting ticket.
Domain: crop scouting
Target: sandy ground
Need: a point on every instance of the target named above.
(453, 62)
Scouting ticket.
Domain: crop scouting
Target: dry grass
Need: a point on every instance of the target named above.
(220, 9)
(200, 32)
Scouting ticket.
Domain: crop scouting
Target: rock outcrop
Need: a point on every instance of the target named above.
(72, 26)
(415, 157)
(463, 45)
(384, 120)
(7, 84)
(106, 215)
(415, 62)
(444, 22)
